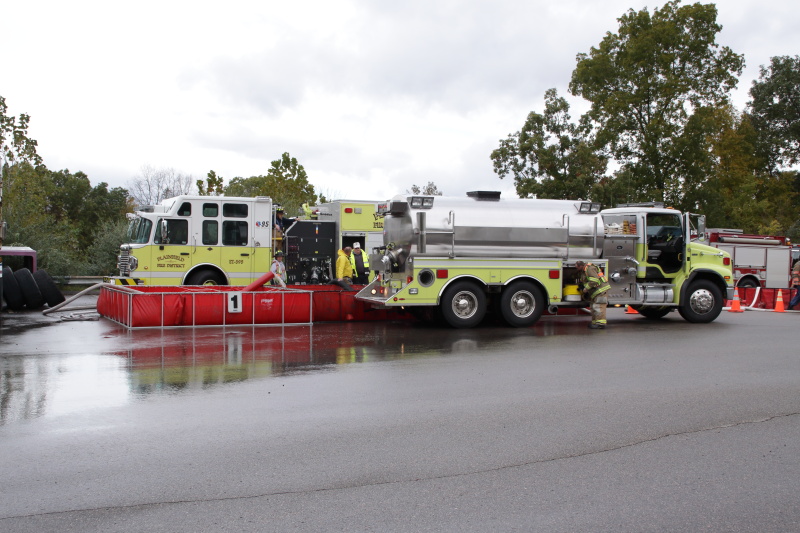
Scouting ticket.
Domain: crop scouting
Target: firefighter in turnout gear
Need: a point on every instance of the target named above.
(594, 288)
(279, 269)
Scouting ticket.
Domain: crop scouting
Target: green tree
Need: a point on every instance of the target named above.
(775, 110)
(16, 147)
(30, 223)
(737, 189)
(286, 182)
(212, 186)
(101, 255)
(102, 208)
(429, 190)
(66, 193)
(550, 157)
(60, 215)
(646, 81)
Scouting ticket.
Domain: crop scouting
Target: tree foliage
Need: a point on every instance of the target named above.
(739, 191)
(57, 213)
(775, 110)
(16, 147)
(212, 186)
(60, 214)
(428, 190)
(550, 157)
(286, 182)
(644, 85)
(101, 254)
(660, 116)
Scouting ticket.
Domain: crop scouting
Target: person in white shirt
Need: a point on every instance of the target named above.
(279, 269)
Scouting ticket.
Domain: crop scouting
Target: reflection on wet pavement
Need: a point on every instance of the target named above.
(96, 365)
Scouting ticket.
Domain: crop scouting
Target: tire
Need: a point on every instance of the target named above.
(48, 288)
(30, 291)
(747, 284)
(703, 302)
(652, 313)
(521, 304)
(205, 277)
(11, 291)
(463, 305)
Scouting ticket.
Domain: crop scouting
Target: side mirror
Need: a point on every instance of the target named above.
(701, 228)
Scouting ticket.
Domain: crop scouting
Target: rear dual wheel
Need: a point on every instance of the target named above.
(463, 304)
(521, 304)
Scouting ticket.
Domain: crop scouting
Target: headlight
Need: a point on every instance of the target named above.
(133, 263)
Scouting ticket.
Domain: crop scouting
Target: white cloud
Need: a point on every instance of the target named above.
(370, 97)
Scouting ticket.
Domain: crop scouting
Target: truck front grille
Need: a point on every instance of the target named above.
(123, 263)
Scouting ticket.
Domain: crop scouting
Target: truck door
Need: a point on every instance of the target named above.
(665, 244)
(173, 257)
(206, 237)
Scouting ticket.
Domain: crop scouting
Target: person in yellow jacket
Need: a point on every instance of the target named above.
(344, 269)
(360, 263)
(594, 289)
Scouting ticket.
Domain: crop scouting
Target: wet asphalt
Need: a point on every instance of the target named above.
(645, 426)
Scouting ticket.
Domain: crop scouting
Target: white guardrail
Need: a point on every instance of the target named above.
(77, 280)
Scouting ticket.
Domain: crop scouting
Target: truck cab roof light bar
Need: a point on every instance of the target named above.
(657, 205)
(421, 202)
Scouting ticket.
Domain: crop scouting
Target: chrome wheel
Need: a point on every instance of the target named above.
(701, 301)
(522, 304)
(465, 305)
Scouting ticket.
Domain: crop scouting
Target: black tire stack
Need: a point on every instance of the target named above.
(23, 289)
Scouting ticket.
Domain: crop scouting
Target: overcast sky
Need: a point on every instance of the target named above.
(370, 96)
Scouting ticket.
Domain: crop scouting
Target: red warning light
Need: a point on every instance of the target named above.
(348, 209)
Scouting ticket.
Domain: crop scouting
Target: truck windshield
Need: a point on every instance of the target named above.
(139, 230)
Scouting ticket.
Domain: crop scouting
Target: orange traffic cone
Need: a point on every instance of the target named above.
(736, 306)
(779, 303)
(630, 310)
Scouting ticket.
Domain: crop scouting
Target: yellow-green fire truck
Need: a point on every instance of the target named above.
(457, 258)
(219, 240)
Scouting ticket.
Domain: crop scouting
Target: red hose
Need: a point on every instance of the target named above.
(259, 282)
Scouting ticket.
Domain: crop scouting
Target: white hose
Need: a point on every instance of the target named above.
(75, 297)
